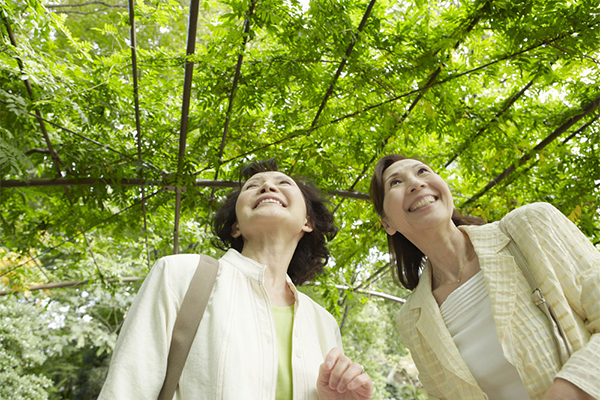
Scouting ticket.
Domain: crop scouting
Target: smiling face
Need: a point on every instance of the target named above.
(415, 199)
(270, 200)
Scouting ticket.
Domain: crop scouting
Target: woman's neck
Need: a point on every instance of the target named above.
(448, 250)
(276, 254)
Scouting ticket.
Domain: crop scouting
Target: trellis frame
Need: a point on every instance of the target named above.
(431, 82)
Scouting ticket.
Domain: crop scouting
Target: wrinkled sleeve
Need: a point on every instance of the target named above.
(138, 365)
(577, 265)
(338, 335)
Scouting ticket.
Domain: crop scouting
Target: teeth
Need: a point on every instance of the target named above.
(270, 201)
(422, 203)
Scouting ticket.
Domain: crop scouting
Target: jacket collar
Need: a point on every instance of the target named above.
(252, 269)
(248, 267)
(488, 242)
(487, 239)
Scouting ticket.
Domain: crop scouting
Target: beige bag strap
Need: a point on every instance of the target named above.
(187, 322)
(560, 338)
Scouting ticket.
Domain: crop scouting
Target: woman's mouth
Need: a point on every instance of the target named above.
(269, 200)
(422, 203)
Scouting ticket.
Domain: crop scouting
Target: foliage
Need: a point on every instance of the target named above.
(20, 352)
(500, 97)
(59, 347)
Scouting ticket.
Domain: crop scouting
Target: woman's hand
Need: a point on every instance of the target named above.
(342, 379)
(563, 389)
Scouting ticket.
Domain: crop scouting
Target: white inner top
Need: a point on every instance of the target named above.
(468, 315)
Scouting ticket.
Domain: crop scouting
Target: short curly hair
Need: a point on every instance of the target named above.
(311, 254)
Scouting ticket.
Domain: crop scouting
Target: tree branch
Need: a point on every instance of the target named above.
(138, 124)
(84, 4)
(75, 12)
(362, 291)
(236, 77)
(361, 26)
(594, 104)
(507, 104)
(59, 285)
(54, 155)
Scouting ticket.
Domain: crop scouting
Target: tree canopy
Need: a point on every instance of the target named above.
(124, 124)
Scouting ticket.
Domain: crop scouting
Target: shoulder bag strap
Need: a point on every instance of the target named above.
(187, 322)
(562, 342)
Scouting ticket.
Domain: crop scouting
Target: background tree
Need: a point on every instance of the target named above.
(123, 124)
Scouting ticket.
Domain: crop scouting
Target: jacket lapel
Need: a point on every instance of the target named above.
(499, 273)
(432, 329)
(500, 276)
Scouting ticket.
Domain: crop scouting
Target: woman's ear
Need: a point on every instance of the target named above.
(235, 230)
(388, 228)
(308, 227)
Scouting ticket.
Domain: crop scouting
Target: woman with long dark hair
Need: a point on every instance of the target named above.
(470, 323)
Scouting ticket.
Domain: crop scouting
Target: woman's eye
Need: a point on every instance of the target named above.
(395, 182)
(422, 170)
(285, 183)
(251, 185)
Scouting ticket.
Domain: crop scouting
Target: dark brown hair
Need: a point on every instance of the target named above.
(312, 253)
(406, 259)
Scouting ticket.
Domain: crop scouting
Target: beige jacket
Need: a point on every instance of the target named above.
(566, 265)
(234, 354)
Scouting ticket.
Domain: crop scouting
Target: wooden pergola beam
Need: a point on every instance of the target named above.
(138, 123)
(95, 181)
(185, 109)
(50, 182)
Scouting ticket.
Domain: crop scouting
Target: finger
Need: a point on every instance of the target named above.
(352, 372)
(332, 356)
(325, 369)
(361, 384)
(324, 374)
(338, 371)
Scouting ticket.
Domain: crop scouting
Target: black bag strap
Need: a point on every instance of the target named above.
(187, 322)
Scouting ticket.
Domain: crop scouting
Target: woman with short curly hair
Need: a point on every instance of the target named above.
(311, 253)
(259, 337)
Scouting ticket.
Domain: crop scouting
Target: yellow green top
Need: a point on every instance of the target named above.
(284, 321)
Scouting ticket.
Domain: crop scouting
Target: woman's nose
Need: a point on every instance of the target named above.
(268, 187)
(416, 183)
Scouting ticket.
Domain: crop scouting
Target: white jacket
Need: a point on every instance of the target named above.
(234, 354)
